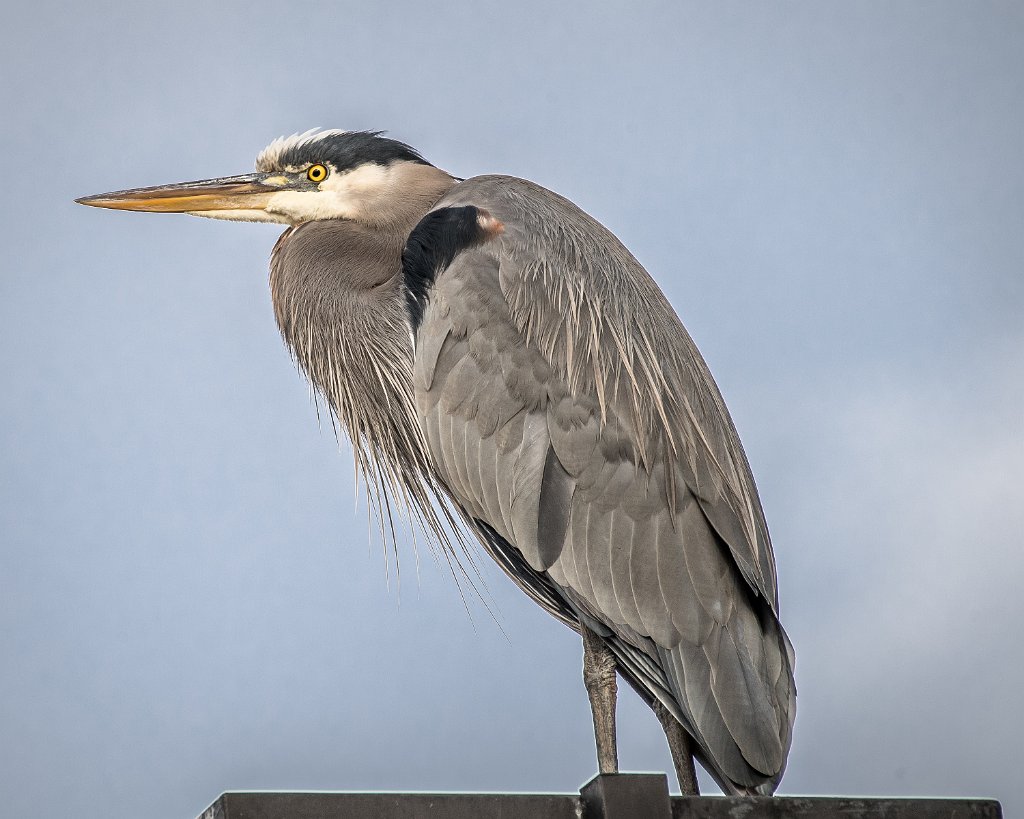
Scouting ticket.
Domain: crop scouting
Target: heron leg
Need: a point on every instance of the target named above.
(599, 678)
(681, 746)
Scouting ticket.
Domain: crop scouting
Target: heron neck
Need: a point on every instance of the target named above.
(408, 191)
(337, 292)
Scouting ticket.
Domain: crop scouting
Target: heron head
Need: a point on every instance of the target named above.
(316, 175)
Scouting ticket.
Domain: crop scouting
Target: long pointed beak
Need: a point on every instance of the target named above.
(246, 192)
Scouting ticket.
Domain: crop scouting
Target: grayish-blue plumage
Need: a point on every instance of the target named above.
(500, 359)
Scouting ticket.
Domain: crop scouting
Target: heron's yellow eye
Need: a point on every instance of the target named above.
(316, 173)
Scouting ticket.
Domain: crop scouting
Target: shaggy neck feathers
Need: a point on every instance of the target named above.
(339, 302)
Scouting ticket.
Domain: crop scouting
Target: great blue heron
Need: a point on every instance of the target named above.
(488, 345)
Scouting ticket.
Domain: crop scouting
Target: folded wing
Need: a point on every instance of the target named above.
(575, 424)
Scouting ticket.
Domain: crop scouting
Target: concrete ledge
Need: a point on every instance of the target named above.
(391, 806)
(831, 807)
(618, 796)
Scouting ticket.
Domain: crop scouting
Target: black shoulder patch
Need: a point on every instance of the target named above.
(433, 244)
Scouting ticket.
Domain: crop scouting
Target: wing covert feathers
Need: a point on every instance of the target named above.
(572, 419)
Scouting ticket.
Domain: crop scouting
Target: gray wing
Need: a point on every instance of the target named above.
(570, 415)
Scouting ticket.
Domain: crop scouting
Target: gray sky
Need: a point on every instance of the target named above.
(831, 194)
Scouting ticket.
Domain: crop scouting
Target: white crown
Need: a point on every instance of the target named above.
(269, 158)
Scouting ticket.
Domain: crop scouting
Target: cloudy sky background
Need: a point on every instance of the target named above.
(831, 194)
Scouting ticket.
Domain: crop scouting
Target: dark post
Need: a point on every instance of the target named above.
(626, 796)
